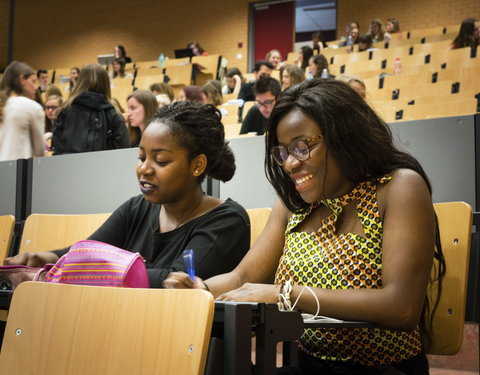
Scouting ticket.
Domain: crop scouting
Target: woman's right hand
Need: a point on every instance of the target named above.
(32, 259)
(180, 280)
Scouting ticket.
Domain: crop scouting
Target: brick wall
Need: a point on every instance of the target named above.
(411, 14)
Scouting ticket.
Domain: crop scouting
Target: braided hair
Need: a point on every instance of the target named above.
(198, 128)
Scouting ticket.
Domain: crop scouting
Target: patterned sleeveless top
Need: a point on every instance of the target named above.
(329, 260)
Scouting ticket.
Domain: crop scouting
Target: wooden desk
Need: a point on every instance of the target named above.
(233, 325)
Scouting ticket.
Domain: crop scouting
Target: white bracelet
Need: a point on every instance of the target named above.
(284, 303)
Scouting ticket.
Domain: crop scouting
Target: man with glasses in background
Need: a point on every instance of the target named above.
(266, 90)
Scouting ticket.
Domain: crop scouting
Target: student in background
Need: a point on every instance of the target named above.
(191, 93)
(318, 42)
(197, 49)
(262, 68)
(376, 30)
(182, 145)
(87, 120)
(292, 75)
(74, 74)
(317, 64)
(118, 69)
(355, 223)
(364, 42)
(235, 80)
(51, 106)
(266, 90)
(468, 35)
(304, 57)
(275, 57)
(355, 83)
(212, 90)
(391, 27)
(348, 38)
(163, 88)
(120, 52)
(22, 120)
(141, 107)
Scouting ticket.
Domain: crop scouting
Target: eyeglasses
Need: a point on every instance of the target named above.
(266, 103)
(51, 107)
(299, 149)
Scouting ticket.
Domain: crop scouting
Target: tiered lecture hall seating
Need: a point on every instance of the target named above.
(434, 80)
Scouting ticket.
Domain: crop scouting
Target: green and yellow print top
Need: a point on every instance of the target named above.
(329, 260)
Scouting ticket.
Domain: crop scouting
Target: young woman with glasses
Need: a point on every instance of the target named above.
(354, 223)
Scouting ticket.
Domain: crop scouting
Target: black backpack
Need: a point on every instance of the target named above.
(83, 129)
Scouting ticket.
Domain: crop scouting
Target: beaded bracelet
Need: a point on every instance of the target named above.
(284, 303)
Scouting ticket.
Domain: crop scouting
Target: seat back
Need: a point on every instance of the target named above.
(7, 223)
(76, 329)
(258, 220)
(43, 232)
(455, 222)
(179, 74)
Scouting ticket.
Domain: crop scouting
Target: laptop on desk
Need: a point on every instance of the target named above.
(183, 52)
(105, 59)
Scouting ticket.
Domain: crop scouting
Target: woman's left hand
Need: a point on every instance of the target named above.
(252, 293)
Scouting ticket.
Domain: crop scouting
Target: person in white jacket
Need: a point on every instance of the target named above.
(22, 120)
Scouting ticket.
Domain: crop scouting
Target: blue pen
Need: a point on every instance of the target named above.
(188, 259)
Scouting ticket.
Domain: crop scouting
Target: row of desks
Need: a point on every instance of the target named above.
(233, 326)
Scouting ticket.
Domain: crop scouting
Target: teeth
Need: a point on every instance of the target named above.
(304, 179)
(147, 185)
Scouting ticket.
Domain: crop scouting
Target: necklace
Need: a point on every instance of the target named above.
(185, 217)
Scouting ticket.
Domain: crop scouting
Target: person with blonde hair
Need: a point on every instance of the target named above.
(292, 75)
(163, 88)
(141, 107)
(355, 83)
(52, 104)
(213, 92)
(88, 121)
(275, 57)
(22, 120)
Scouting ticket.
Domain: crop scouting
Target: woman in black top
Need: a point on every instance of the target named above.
(181, 146)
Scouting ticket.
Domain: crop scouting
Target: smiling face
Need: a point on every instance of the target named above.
(275, 59)
(29, 86)
(389, 27)
(308, 176)
(354, 33)
(136, 114)
(164, 171)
